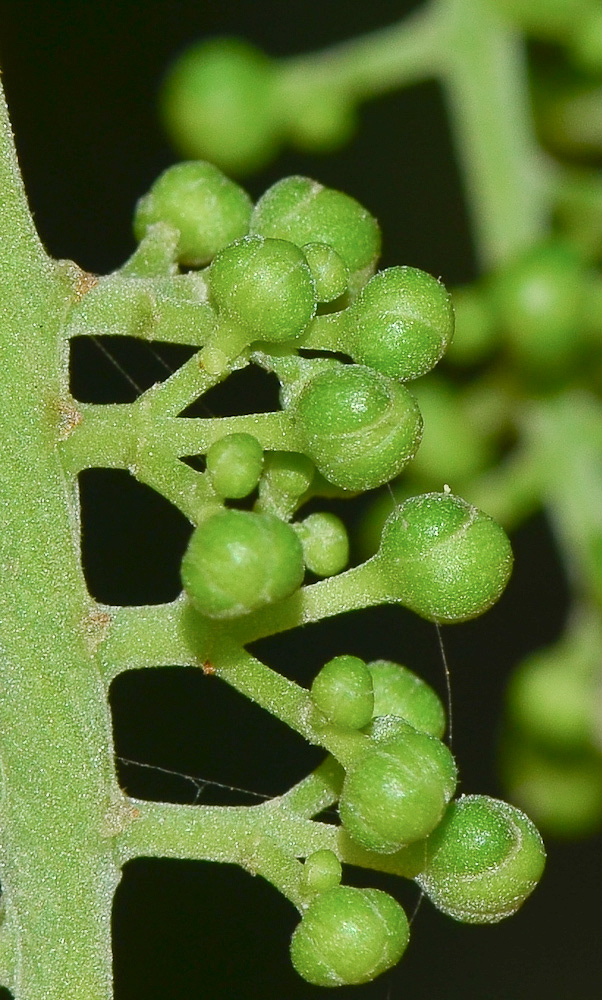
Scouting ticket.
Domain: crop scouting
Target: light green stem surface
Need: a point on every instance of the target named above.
(57, 868)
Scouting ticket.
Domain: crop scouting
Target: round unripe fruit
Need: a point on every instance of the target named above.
(359, 427)
(217, 104)
(238, 561)
(322, 870)
(234, 465)
(401, 323)
(400, 692)
(206, 207)
(483, 860)
(263, 287)
(342, 691)
(443, 558)
(325, 543)
(303, 211)
(349, 936)
(397, 793)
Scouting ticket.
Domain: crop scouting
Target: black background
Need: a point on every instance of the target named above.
(81, 80)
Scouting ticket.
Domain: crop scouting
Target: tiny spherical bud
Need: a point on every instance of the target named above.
(322, 871)
(401, 323)
(359, 427)
(443, 558)
(206, 207)
(303, 211)
(342, 691)
(325, 543)
(234, 465)
(217, 103)
(483, 860)
(400, 692)
(329, 271)
(263, 287)
(349, 936)
(396, 794)
(238, 561)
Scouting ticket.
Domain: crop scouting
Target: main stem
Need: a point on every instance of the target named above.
(57, 868)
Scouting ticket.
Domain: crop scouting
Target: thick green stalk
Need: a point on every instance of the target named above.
(57, 868)
(482, 66)
(384, 60)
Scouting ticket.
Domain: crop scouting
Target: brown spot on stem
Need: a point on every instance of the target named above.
(85, 282)
(67, 417)
(119, 814)
(81, 281)
(95, 626)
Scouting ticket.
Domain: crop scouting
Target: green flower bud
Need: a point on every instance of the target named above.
(234, 465)
(400, 692)
(359, 427)
(208, 210)
(238, 561)
(217, 104)
(539, 302)
(553, 698)
(349, 936)
(456, 444)
(325, 543)
(322, 871)
(401, 323)
(262, 289)
(443, 558)
(396, 794)
(385, 728)
(342, 691)
(328, 269)
(483, 860)
(303, 211)
(563, 792)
